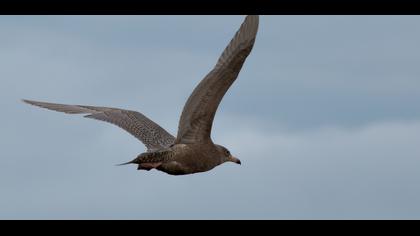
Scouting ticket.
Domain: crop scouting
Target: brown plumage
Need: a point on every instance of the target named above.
(192, 151)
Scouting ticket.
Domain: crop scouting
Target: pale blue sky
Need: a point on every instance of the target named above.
(325, 117)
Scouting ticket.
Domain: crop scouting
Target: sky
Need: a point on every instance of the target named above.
(324, 116)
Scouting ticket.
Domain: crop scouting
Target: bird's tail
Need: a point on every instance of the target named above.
(130, 162)
(148, 160)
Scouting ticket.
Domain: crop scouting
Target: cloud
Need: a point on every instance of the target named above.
(331, 172)
(370, 172)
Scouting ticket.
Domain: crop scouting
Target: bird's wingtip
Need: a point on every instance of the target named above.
(254, 18)
(30, 102)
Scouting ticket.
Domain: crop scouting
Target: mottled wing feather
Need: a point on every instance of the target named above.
(198, 114)
(148, 132)
(151, 134)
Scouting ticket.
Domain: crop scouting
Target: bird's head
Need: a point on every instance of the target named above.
(226, 156)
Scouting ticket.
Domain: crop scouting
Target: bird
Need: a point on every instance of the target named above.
(192, 150)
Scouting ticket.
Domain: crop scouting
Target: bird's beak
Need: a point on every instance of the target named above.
(236, 160)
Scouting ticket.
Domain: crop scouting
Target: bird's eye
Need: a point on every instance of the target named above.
(227, 152)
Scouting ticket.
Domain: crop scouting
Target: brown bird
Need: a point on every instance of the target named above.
(193, 150)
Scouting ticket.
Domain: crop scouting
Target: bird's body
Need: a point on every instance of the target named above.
(180, 159)
(192, 150)
(189, 158)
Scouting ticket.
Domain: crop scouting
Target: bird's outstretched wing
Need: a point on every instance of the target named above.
(199, 111)
(148, 132)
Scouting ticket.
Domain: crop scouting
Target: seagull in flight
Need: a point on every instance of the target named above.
(192, 150)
